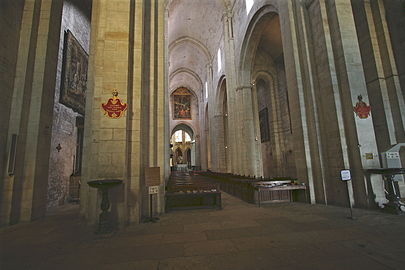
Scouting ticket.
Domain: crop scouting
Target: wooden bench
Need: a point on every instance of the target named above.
(193, 200)
(186, 193)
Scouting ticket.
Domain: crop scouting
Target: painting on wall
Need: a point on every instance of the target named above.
(264, 125)
(74, 74)
(182, 104)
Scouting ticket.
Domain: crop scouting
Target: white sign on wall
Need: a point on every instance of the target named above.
(392, 155)
(153, 189)
(345, 175)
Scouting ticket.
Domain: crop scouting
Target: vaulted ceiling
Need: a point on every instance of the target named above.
(194, 33)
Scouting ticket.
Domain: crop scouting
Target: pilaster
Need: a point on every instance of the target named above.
(133, 63)
(31, 111)
(357, 135)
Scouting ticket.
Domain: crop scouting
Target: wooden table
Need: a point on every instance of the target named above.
(277, 193)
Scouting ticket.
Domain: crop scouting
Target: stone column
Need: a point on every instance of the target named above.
(24, 194)
(193, 154)
(358, 140)
(217, 142)
(197, 149)
(257, 135)
(387, 79)
(309, 69)
(211, 107)
(234, 158)
(12, 85)
(166, 103)
(247, 129)
(127, 54)
(296, 85)
(203, 140)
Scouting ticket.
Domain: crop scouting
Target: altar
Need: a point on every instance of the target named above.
(181, 167)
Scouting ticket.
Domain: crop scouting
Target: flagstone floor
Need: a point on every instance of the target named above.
(241, 236)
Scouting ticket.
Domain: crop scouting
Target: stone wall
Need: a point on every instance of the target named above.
(319, 77)
(10, 21)
(395, 11)
(75, 18)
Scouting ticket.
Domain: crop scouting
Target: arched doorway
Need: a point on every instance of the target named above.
(183, 146)
(264, 69)
(184, 115)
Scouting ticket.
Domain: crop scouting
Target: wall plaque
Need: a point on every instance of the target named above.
(114, 108)
(369, 156)
(345, 175)
(152, 176)
(361, 109)
(153, 189)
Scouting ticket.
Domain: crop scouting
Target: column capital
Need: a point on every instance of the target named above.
(227, 15)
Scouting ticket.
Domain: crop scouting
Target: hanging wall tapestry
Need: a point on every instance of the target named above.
(182, 104)
(74, 74)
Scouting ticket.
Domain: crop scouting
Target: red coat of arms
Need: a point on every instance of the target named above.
(114, 108)
(361, 109)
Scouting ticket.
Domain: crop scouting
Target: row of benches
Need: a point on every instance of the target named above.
(185, 192)
(260, 191)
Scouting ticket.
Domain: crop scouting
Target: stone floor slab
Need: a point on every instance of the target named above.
(240, 236)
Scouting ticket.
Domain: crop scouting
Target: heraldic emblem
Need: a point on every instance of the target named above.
(361, 109)
(114, 108)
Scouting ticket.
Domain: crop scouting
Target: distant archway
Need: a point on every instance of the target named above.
(183, 146)
(185, 127)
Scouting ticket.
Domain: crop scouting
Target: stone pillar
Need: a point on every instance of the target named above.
(310, 83)
(234, 156)
(358, 137)
(11, 15)
(211, 102)
(193, 154)
(257, 136)
(24, 194)
(127, 54)
(247, 129)
(296, 85)
(202, 138)
(197, 150)
(386, 81)
(166, 102)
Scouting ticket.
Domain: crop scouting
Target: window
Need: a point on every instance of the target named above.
(181, 136)
(249, 5)
(178, 136)
(188, 138)
(206, 90)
